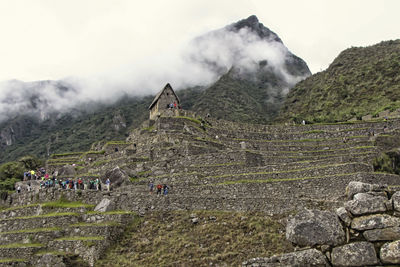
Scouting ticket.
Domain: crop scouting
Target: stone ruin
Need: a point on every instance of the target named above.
(365, 232)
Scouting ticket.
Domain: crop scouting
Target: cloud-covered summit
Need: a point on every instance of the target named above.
(245, 46)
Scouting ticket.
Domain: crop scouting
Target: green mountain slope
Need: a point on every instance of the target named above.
(360, 81)
(250, 90)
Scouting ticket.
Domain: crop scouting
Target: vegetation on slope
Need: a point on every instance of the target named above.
(13, 171)
(172, 239)
(360, 81)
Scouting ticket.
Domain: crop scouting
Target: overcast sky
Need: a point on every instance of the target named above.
(53, 39)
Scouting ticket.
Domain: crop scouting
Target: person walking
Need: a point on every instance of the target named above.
(159, 188)
(108, 183)
(151, 187)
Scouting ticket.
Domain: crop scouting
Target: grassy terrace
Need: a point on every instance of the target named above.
(80, 238)
(19, 207)
(22, 245)
(272, 173)
(322, 150)
(170, 239)
(114, 212)
(12, 260)
(218, 165)
(47, 215)
(62, 204)
(101, 224)
(32, 231)
(272, 180)
(300, 140)
(76, 154)
(323, 156)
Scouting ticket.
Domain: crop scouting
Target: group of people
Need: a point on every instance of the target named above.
(173, 105)
(36, 175)
(162, 189)
(92, 184)
(68, 183)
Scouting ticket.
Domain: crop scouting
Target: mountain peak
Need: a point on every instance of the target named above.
(254, 25)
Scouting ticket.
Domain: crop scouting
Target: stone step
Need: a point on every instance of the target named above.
(20, 211)
(89, 248)
(20, 250)
(39, 221)
(199, 174)
(230, 126)
(38, 235)
(312, 134)
(16, 262)
(235, 167)
(312, 171)
(104, 228)
(299, 146)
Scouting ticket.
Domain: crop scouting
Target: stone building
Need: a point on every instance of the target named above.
(162, 101)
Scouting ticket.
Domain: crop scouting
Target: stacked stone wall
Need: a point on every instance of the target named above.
(366, 231)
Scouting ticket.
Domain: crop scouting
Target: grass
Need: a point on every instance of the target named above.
(114, 212)
(67, 154)
(280, 172)
(80, 238)
(12, 260)
(22, 245)
(19, 207)
(63, 204)
(101, 224)
(219, 238)
(217, 165)
(301, 140)
(47, 215)
(100, 162)
(100, 152)
(189, 118)
(52, 252)
(31, 231)
(272, 180)
(117, 143)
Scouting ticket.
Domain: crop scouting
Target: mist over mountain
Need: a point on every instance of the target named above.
(240, 72)
(201, 62)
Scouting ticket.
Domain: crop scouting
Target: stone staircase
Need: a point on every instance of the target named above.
(30, 233)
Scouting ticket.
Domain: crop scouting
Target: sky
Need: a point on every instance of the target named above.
(105, 41)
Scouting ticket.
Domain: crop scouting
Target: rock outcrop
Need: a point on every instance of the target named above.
(368, 223)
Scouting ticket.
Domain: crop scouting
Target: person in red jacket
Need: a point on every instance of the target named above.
(159, 188)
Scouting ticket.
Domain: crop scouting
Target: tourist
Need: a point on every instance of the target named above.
(159, 188)
(108, 183)
(19, 189)
(165, 188)
(151, 187)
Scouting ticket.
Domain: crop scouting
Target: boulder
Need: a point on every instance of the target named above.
(67, 170)
(390, 252)
(104, 205)
(364, 203)
(377, 221)
(314, 227)
(359, 187)
(117, 177)
(309, 257)
(391, 233)
(344, 215)
(396, 201)
(354, 254)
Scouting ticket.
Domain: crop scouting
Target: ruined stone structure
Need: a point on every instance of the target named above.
(208, 164)
(365, 232)
(162, 101)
